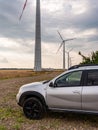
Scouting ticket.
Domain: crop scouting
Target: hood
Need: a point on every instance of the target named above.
(36, 86)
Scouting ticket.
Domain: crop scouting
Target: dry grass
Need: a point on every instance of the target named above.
(6, 74)
(11, 115)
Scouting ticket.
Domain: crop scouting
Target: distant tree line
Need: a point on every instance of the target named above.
(92, 59)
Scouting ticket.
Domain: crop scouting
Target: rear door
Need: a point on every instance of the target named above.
(67, 92)
(90, 91)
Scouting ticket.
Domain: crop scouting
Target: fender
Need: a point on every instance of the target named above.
(30, 94)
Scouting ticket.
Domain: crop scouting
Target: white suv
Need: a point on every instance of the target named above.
(74, 90)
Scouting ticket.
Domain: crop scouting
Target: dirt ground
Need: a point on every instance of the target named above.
(12, 118)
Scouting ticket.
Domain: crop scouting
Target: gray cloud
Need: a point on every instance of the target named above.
(12, 28)
(23, 32)
(10, 25)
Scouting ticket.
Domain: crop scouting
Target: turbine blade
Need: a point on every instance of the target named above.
(21, 15)
(23, 10)
(60, 35)
(59, 47)
(69, 39)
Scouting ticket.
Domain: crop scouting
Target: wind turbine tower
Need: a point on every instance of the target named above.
(68, 60)
(37, 60)
(63, 44)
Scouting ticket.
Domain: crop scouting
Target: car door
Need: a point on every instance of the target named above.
(66, 93)
(90, 91)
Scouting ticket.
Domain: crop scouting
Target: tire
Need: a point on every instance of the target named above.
(33, 109)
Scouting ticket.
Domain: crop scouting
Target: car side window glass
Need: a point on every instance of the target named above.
(70, 79)
(92, 78)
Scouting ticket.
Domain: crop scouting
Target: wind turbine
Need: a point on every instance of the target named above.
(37, 62)
(63, 44)
(68, 52)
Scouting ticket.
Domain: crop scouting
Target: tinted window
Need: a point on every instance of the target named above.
(70, 79)
(92, 78)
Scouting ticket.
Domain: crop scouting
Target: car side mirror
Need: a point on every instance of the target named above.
(51, 84)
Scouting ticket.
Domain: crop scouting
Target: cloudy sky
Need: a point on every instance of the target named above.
(73, 18)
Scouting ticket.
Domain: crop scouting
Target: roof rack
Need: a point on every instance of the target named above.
(77, 66)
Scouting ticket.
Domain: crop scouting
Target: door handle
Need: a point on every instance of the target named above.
(76, 92)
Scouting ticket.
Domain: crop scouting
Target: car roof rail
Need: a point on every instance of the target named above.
(82, 65)
(74, 67)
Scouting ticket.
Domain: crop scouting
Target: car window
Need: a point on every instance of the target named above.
(70, 79)
(92, 78)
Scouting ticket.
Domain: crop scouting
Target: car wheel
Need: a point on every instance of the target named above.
(33, 108)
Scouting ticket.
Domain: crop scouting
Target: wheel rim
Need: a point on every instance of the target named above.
(32, 110)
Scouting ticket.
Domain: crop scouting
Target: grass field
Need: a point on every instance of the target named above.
(11, 115)
(7, 74)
